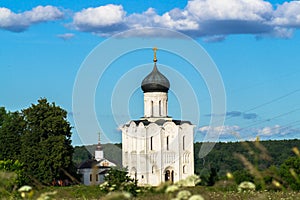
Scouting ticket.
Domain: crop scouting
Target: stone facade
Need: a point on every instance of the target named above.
(158, 151)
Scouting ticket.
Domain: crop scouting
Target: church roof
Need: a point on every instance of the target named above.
(87, 164)
(90, 163)
(155, 82)
(160, 122)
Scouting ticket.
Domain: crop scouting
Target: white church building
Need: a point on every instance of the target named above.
(93, 170)
(156, 148)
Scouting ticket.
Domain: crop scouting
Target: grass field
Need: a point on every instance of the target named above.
(93, 192)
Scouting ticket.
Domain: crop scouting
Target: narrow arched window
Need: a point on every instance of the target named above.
(159, 107)
(151, 143)
(167, 142)
(152, 108)
(183, 143)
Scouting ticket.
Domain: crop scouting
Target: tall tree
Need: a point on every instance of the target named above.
(2, 115)
(11, 127)
(46, 142)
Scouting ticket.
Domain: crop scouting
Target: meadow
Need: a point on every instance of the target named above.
(82, 192)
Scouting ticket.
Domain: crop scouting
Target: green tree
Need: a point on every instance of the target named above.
(119, 180)
(289, 172)
(2, 115)
(11, 127)
(242, 175)
(81, 154)
(46, 142)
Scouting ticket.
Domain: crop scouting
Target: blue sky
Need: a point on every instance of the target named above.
(255, 45)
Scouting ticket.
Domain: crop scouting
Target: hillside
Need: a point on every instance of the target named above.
(222, 158)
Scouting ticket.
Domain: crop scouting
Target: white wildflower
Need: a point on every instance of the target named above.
(246, 185)
(46, 195)
(26, 191)
(118, 195)
(184, 194)
(172, 188)
(196, 197)
(189, 181)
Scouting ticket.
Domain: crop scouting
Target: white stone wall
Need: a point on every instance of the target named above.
(99, 155)
(148, 151)
(155, 104)
(86, 176)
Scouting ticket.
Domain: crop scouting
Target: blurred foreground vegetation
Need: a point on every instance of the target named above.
(82, 192)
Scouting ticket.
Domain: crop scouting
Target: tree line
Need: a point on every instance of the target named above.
(38, 137)
(268, 158)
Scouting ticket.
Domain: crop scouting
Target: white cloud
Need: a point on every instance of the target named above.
(198, 18)
(265, 131)
(276, 130)
(234, 132)
(149, 18)
(42, 14)
(211, 19)
(214, 38)
(230, 9)
(221, 130)
(21, 21)
(287, 14)
(66, 36)
(95, 19)
(178, 20)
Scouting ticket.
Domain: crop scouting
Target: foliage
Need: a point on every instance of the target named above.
(11, 126)
(220, 160)
(119, 180)
(183, 194)
(82, 192)
(81, 154)
(171, 189)
(289, 171)
(118, 195)
(46, 148)
(189, 181)
(242, 175)
(2, 115)
(7, 183)
(180, 187)
(112, 152)
(17, 168)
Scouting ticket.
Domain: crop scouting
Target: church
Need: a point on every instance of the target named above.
(157, 148)
(93, 171)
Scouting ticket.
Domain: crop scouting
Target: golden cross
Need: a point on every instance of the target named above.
(154, 50)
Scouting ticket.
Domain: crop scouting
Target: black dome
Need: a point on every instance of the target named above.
(155, 82)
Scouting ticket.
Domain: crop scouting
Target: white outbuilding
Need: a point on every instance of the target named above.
(93, 170)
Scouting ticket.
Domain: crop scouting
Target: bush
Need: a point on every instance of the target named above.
(289, 171)
(118, 180)
(17, 168)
